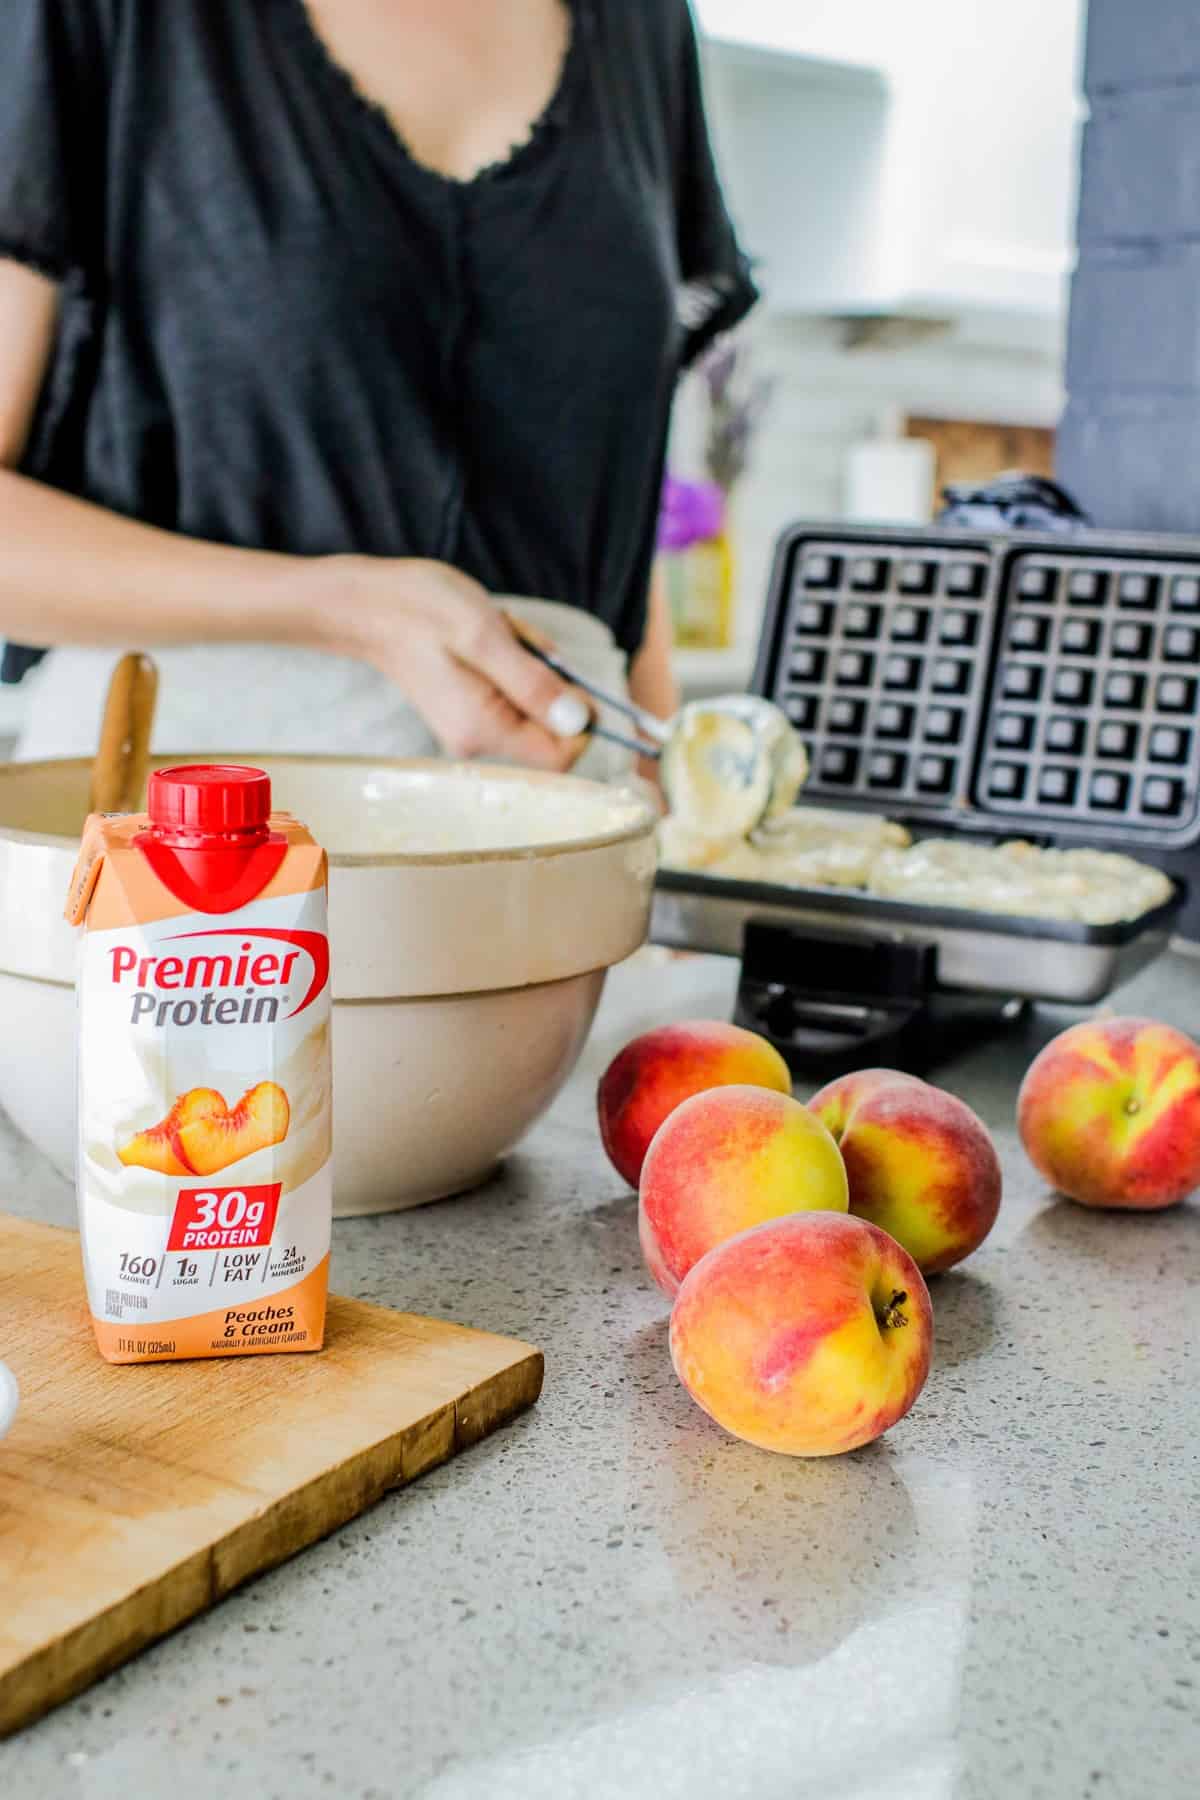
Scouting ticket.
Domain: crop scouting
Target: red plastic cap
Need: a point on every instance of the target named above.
(210, 798)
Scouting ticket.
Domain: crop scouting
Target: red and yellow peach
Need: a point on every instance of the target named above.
(920, 1164)
(726, 1160)
(662, 1068)
(808, 1335)
(1109, 1113)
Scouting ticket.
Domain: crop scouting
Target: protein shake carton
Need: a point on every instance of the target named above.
(205, 1124)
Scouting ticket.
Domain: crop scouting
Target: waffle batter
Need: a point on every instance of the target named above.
(1095, 887)
(730, 766)
(809, 847)
(726, 776)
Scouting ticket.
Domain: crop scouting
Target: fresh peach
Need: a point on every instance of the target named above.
(658, 1070)
(920, 1164)
(259, 1120)
(726, 1160)
(159, 1147)
(808, 1335)
(1109, 1113)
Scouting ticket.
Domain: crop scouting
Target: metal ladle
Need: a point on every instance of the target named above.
(740, 747)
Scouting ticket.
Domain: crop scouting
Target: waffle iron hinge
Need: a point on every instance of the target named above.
(832, 1001)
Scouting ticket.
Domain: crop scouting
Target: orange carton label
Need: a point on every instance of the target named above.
(205, 1122)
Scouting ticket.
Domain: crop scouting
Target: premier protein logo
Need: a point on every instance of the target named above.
(241, 982)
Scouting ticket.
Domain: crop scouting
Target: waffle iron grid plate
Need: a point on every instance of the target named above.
(1029, 685)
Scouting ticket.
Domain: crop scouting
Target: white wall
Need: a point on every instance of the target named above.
(987, 119)
(980, 156)
(977, 199)
(865, 31)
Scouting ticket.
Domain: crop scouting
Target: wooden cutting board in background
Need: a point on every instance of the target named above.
(970, 450)
(133, 1498)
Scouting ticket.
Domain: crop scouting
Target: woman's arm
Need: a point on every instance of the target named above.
(72, 573)
(29, 312)
(652, 680)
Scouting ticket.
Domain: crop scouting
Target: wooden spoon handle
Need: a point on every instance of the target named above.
(123, 757)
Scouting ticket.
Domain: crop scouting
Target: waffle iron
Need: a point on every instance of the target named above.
(1024, 684)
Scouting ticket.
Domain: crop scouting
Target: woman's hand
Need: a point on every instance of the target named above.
(437, 635)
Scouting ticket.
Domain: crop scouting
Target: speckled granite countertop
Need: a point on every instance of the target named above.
(613, 1600)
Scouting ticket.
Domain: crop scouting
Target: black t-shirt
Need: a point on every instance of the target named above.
(280, 330)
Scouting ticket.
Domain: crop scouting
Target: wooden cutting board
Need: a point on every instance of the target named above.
(133, 1498)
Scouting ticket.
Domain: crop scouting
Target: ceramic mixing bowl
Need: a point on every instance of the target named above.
(473, 914)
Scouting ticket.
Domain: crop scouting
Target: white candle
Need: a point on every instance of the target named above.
(890, 481)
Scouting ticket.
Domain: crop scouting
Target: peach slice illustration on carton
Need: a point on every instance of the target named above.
(201, 1135)
(260, 1118)
(158, 1147)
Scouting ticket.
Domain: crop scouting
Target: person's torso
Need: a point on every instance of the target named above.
(303, 339)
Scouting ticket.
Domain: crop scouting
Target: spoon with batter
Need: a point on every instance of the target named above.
(730, 765)
(727, 764)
